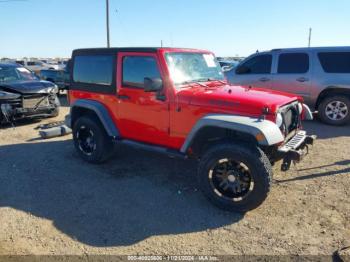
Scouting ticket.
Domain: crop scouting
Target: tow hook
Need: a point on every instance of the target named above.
(293, 155)
(296, 155)
(309, 140)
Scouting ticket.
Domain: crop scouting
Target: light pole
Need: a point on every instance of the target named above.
(107, 23)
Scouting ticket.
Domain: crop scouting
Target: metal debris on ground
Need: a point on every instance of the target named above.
(53, 129)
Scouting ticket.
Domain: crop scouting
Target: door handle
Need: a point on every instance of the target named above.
(302, 79)
(123, 97)
(264, 79)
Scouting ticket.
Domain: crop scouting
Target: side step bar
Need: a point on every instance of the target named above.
(158, 149)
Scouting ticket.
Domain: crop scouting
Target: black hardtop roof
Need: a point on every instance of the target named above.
(114, 50)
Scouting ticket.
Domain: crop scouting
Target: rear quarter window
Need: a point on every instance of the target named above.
(335, 62)
(293, 63)
(96, 69)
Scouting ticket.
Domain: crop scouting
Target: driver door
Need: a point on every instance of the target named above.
(142, 116)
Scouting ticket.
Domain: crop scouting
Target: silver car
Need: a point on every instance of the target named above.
(321, 75)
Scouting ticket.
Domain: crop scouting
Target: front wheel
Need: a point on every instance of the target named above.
(235, 177)
(335, 110)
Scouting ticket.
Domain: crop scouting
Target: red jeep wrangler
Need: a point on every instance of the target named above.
(177, 101)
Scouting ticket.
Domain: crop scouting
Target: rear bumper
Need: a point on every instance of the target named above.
(295, 149)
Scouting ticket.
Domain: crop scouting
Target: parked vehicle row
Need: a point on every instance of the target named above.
(320, 75)
(35, 66)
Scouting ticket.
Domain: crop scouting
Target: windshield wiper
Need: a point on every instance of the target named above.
(218, 80)
(201, 80)
(198, 82)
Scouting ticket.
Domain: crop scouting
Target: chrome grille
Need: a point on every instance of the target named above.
(291, 118)
(35, 102)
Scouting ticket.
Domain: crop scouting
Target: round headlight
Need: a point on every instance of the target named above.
(279, 120)
(300, 108)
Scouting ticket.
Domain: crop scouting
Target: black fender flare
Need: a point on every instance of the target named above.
(101, 112)
(269, 132)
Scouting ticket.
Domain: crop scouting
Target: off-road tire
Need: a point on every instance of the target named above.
(322, 110)
(253, 157)
(104, 143)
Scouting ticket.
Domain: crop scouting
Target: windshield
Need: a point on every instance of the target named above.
(11, 73)
(193, 67)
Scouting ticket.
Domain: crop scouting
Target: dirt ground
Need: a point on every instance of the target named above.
(51, 202)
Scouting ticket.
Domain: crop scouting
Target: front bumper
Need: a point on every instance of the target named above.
(295, 149)
(43, 106)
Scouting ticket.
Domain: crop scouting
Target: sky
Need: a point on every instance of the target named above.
(53, 28)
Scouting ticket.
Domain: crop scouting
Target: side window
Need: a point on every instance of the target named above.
(30, 63)
(293, 63)
(96, 69)
(260, 64)
(136, 68)
(335, 62)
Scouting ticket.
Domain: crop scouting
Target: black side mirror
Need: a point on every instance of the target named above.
(152, 84)
(242, 70)
(226, 68)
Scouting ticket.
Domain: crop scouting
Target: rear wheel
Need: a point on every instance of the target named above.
(235, 177)
(91, 140)
(335, 110)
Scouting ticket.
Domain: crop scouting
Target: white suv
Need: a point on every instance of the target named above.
(35, 66)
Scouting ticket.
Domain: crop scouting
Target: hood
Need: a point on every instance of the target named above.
(236, 98)
(28, 86)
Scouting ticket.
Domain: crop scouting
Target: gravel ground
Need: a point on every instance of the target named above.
(51, 202)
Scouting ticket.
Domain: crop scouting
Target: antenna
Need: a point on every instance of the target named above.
(310, 31)
(107, 22)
